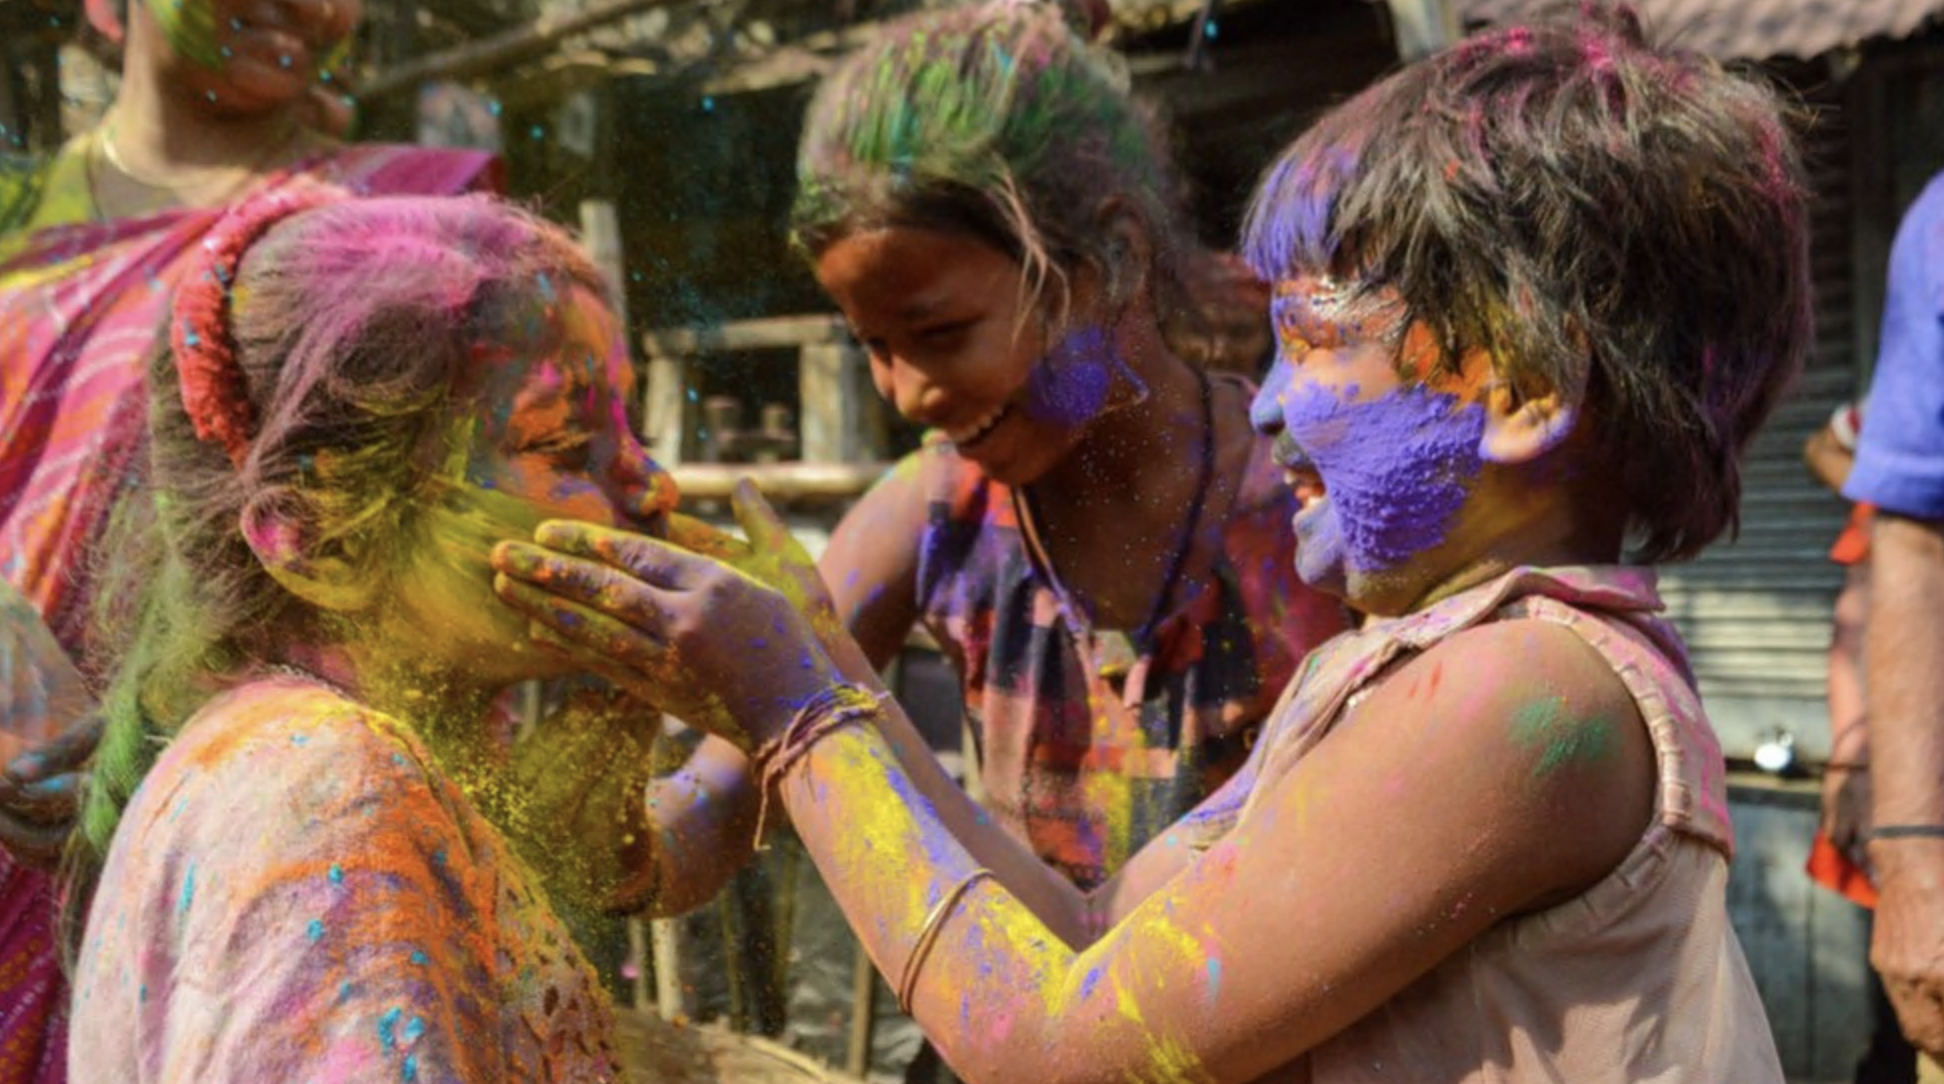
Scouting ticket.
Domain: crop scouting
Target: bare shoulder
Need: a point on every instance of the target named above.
(1527, 719)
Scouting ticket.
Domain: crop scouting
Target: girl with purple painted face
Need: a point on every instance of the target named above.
(1401, 455)
(1484, 837)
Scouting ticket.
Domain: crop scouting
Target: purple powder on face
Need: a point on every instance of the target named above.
(1069, 386)
(1396, 468)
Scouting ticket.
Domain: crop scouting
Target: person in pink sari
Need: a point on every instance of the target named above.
(220, 101)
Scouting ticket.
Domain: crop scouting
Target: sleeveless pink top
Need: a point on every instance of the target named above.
(1641, 977)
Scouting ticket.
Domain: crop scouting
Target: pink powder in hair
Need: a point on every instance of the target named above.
(1598, 56)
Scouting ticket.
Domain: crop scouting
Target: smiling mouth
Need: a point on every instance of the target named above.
(1299, 472)
(967, 436)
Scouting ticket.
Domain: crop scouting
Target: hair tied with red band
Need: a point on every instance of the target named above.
(106, 18)
(213, 391)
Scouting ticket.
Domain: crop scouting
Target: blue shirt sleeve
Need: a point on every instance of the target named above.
(1900, 458)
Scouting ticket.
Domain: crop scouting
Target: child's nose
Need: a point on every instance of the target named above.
(916, 396)
(647, 490)
(1266, 412)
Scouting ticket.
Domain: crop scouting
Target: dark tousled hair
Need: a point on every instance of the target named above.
(1620, 223)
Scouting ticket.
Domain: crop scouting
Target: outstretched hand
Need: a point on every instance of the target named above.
(771, 556)
(717, 634)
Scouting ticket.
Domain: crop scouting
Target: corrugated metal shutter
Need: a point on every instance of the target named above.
(1756, 610)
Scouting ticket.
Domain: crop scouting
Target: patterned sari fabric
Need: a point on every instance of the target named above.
(1091, 744)
(80, 304)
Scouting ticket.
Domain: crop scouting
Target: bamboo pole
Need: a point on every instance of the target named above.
(504, 50)
(665, 946)
(783, 482)
(863, 1022)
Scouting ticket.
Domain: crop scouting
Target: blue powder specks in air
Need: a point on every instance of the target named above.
(414, 1028)
(1214, 977)
(315, 931)
(188, 889)
(409, 1070)
(418, 956)
(337, 874)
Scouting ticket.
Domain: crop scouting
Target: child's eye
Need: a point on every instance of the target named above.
(1293, 348)
(569, 453)
(943, 334)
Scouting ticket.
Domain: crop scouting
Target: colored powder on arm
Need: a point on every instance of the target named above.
(1560, 738)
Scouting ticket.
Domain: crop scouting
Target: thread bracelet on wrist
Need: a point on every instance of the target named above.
(830, 708)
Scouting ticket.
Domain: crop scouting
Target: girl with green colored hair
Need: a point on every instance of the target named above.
(1091, 532)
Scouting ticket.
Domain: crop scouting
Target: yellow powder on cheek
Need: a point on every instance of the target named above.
(452, 568)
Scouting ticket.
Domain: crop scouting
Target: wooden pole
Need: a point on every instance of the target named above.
(638, 956)
(505, 50)
(857, 1053)
(601, 233)
(665, 946)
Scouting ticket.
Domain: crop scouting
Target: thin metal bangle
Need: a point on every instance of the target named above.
(928, 933)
